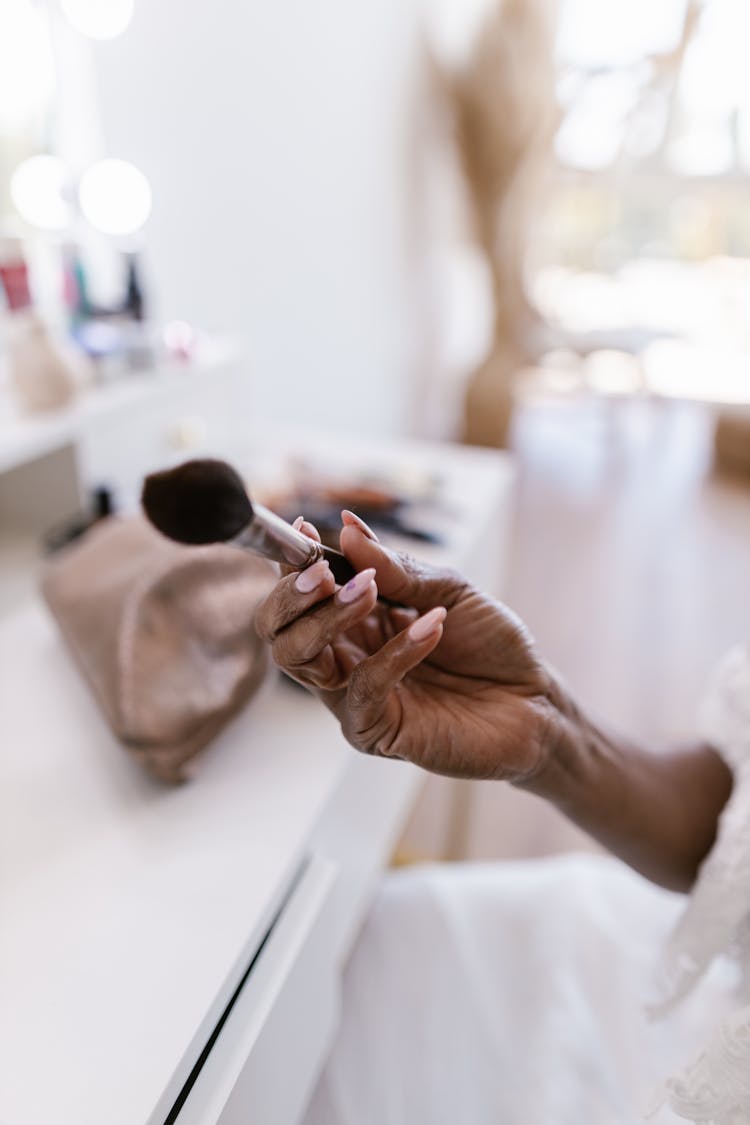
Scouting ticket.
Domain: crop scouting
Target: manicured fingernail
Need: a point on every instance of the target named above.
(298, 523)
(426, 626)
(356, 588)
(353, 520)
(309, 579)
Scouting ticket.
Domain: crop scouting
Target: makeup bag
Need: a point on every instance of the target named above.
(163, 634)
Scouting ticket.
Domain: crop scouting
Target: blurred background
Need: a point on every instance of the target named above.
(521, 225)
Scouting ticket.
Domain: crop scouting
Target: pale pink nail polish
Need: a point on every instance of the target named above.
(358, 585)
(426, 626)
(309, 579)
(298, 523)
(353, 519)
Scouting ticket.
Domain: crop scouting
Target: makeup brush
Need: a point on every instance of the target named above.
(205, 501)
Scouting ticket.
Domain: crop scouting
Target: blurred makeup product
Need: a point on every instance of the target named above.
(75, 286)
(43, 374)
(134, 303)
(394, 499)
(205, 501)
(14, 275)
(325, 515)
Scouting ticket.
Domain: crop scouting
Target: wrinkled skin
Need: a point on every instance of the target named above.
(469, 699)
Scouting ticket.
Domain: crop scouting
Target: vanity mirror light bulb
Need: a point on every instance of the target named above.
(115, 197)
(98, 19)
(37, 189)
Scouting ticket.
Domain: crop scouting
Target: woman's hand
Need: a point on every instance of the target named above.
(450, 682)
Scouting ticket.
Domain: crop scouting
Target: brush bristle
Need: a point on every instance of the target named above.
(199, 502)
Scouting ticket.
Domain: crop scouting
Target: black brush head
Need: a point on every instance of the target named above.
(198, 502)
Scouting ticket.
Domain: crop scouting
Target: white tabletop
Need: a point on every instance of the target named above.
(128, 910)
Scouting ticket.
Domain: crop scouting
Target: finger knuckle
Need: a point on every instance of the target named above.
(385, 745)
(276, 610)
(360, 688)
(355, 737)
(299, 644)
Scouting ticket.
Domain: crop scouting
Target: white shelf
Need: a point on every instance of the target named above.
(25, 437)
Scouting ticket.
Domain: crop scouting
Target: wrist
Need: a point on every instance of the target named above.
(567, 744)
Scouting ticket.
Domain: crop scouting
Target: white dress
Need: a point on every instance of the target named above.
(517, 993)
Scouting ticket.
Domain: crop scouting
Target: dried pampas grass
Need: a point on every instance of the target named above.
(504, 114)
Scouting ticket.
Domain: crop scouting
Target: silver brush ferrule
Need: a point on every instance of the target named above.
(273, 538)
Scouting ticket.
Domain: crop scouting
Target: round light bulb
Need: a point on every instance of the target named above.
(99, 19)
(115, 197)
(37, 189)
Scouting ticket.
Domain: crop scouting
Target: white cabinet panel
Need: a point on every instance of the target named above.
(267, 1055)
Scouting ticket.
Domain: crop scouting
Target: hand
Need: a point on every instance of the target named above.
(451, 681)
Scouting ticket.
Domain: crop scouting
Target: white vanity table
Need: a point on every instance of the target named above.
(174, 955)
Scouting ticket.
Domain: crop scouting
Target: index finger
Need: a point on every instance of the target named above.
(297, 592)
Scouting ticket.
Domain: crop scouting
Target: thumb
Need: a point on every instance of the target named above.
(399, 577)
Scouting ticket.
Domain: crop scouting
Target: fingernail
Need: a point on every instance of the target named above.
(353, 518)
(356, 588)
(298, 523)
(426, 626)
(309, 579)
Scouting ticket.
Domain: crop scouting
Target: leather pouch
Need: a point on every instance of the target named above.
(163, 634)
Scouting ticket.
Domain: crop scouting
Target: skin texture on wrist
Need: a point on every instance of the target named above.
(657, 811)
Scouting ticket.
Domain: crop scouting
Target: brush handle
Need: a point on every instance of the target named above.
(273, 538)
(341, 568)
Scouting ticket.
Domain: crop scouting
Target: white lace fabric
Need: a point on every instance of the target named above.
(715, 1088)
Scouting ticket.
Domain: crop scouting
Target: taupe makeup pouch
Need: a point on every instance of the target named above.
(164, 635)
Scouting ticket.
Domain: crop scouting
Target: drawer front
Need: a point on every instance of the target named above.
(267, 1056)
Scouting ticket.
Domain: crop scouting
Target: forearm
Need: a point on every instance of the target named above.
(656, 811)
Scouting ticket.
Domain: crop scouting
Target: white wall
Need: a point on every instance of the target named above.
(278, 139)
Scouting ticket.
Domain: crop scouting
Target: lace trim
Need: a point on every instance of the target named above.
(717, 917)
(715, 1089)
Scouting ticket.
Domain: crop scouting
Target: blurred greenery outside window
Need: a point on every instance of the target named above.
(653, 148)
